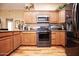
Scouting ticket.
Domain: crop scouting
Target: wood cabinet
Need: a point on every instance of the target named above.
(29, 38)
(54, 17)
(6, 44)
(62, 38)
(17, 39)
(30, 17)
(55, 38)
(9, 41)
(62, 16)
(58, 38)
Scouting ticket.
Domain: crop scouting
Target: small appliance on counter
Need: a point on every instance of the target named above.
(57, 27)
(25, 27)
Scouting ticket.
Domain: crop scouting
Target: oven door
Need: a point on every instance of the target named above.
(43, 39)
(43, 36)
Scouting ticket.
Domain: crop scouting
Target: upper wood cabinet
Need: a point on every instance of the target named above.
(54, 17)
(62, 16)
(29, 38)
(6, 45)
(30, 17)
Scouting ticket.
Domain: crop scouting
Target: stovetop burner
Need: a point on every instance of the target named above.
(43, 29)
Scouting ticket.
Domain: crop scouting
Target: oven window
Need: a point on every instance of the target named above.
(43, 36)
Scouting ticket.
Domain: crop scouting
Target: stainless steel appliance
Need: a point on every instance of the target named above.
(72, 28)
(42, 19)
(75, 20)
(43, 32)
(43, 37)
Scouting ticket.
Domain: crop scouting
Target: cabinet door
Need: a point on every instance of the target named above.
(55, 39)
(29, 38)
(62, 16)
(29, 17)
(62, 38)
(6, 45)
(17, 41)
(33, 38)
(54, 17)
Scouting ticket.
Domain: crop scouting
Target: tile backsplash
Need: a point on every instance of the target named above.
(34, 27)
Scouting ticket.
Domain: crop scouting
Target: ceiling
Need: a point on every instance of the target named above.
(20, 6)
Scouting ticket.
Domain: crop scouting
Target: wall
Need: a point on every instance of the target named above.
(37, 6)
(47, 6)
(15, 14)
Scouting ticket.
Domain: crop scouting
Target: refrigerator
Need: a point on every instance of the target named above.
(72, 31)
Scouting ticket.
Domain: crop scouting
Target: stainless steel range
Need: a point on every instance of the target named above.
(43, 37)
(43, 32)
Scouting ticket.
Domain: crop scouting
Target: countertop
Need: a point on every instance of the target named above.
(31, 31)
(58, 30)
(9, 31)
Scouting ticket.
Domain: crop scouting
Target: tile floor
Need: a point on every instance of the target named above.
(39, 51)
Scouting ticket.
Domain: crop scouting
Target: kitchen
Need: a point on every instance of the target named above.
(45, 26)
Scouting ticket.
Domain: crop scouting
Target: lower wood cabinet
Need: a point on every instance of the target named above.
(17, 40)
(29, 38)
(55, 38)
(58, 38)
(8, 42)
(6, 45)
(62, 38)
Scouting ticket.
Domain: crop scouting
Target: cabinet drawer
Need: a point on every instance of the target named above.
(16, 32)
(5, 34)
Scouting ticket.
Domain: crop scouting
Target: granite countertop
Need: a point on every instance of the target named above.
(28, 31)
(8, 31)
(58, 30)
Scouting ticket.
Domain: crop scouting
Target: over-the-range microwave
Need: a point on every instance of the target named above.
(42, 18)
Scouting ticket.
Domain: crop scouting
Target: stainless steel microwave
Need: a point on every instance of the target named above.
(42, 19)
